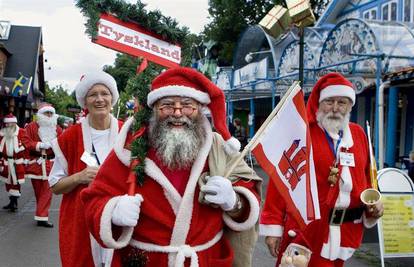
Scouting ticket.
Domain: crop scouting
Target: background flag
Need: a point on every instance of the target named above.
(19, 85)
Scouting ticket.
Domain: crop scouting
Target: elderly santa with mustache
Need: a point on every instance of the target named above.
(40, 134)
(12, 155)
(341, 154)
(178, 216)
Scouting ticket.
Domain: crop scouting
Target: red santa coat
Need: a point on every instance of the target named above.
(13, 161)
(74, 241)
(35, 160)
(172, 229)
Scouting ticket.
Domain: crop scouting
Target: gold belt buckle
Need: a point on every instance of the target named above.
(337, 217)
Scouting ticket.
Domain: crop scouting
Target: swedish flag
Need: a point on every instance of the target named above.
(19, 85)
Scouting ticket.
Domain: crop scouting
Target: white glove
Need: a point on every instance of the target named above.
(219, 190)
(45, 145)
(126, 211)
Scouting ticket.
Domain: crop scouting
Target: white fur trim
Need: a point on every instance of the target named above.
(185, 212)
(254, 211)
(14, 192)
(47, 108)
(181, 252)
(59, 155)
(43, 219)
(343, 253)
(271, 230)
(21, 181)
(89, 80)
(177, 90)
(368, 222)
(124, 155)
(9, 120)
(232, 146)
(34, 176)
(87, 133)
(172, 195)
(105, 231)
(38, 146)
(337, 90)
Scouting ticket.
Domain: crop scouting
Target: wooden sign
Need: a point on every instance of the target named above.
(130, 38)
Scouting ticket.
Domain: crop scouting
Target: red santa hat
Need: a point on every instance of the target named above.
(10, 118)
(330, 85)
(187, 82)
(90, 79)
(299, 238)
(46, 107)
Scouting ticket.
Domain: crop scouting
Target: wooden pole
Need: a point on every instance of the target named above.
(253, 142)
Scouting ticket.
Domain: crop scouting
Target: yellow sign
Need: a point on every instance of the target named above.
(397, 224)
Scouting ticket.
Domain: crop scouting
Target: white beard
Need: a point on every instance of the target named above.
(177, 148)
(333, 122)
(47, 127)
(9, 134)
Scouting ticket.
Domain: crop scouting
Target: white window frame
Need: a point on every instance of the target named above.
(388, 4)
(411, 11)
(368, 11)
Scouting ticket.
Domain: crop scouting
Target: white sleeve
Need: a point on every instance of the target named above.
(57, 172)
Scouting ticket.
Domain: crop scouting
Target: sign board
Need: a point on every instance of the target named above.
(396, 227)
(251, 72)
(130, 38)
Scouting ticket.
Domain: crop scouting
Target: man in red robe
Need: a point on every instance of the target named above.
(40, 133)
(341, 154)
(12, 154)
(178, 216)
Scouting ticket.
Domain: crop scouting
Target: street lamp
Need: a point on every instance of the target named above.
(249, 57)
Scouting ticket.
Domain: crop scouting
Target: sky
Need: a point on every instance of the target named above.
(68, 50)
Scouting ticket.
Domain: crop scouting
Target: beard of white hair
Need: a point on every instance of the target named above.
(9, 132)
(47, 127)
(177, 147)
(333, 122)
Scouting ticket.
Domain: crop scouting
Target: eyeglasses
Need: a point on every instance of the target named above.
(342, 103)
(96, 95)
(170, 109)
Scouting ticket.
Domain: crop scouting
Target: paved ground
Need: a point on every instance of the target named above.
(23, 244)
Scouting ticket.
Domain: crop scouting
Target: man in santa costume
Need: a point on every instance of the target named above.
(79, 152)
(177, 217)
(12, 154)
(40, 134)
(342, 172)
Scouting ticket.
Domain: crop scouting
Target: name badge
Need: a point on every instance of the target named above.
(89, 159)
(346, 159)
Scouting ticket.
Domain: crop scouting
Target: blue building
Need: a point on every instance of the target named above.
(370, 42)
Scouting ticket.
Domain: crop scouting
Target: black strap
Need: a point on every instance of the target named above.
(350, 214)
(96, 156)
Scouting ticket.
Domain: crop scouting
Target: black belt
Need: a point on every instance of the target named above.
(338, 216)
(46, 157)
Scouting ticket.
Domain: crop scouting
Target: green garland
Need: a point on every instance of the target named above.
(154, 21)
(167, 27)
(139, 147)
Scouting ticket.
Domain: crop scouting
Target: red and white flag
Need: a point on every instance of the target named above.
(284, 152)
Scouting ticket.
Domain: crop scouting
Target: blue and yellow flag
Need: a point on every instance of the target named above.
(19, 85)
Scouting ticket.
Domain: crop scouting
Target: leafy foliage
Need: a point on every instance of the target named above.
(60, 99)
(167, 27)
(231, 18)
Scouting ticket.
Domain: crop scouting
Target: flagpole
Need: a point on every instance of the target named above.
(253, 142)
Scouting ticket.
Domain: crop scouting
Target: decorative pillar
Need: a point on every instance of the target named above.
(392, 117)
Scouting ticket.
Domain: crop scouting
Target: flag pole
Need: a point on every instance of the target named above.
(253, 142)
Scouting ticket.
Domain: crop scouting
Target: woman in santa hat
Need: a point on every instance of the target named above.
(79, 152)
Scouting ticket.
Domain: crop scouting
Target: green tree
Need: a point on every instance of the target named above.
(229, 18)
(60, 99)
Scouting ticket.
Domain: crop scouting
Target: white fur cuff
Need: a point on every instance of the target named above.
(105, 230)
(232, 146)
(270, 230)
(254, 211)
(368, 222)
